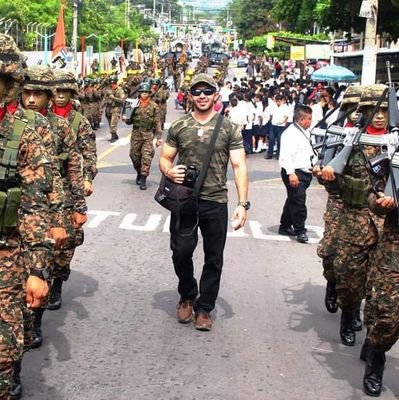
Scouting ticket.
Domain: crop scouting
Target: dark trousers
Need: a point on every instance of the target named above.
(213, 224)
(247, 140)
(275, 136)
(294, 211)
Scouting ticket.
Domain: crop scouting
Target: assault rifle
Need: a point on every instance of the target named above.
(391, 188)
(128, 110)
(332, 138)
(352, 139)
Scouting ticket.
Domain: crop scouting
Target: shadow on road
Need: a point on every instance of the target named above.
(37, 360)
(341, 362)
(166, 301)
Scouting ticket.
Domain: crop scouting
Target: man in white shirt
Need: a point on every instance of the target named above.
(279, 122)
(225, 92)
(296, 165)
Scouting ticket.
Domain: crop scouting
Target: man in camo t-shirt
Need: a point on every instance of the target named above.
(188, 138)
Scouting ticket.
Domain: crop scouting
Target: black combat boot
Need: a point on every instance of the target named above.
(348, 335)
(372, 381)
(114, 137)
(143, 185)
(330, 300)
(16, 384)
(55, 299)
(138, 178)
(357, 321)
(365, 349)
(37, 338)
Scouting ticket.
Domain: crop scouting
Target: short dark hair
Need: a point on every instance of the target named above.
(300, 111)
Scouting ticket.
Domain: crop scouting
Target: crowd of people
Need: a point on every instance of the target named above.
(48, 164)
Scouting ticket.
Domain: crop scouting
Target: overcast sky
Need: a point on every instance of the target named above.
(206, 4)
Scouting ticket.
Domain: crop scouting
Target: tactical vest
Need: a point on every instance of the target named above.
(62, 156)
(354, 192)
(77, 119)
(10, 184)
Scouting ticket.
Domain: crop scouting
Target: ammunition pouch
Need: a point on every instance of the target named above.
(9, 204)
(354, 192)
(63, 163)
(148, 124)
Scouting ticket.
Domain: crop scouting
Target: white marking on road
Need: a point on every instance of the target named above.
(100, 216)
(150, 226)
(166, 225)
(122, 141)
(154, 221)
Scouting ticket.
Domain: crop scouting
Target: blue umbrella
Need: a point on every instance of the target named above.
(334, 73)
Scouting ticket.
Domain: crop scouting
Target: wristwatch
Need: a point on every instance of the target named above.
(41, 273)
(246, 204)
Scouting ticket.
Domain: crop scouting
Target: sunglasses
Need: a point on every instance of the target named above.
(206, 91)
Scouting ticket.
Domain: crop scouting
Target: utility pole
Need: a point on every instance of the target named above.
(154, 6)
(75, 33)
(369, 10)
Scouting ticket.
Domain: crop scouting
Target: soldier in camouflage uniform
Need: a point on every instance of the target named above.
(114, 99)
(55, 198)
(146, 135)
(66, 88)
(326, 249)
(383, 330)
(160, 95)
(37, 92)
(189, 137)
(24, 244)
(358, 225)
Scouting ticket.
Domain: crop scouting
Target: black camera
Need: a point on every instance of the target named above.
(190, 176)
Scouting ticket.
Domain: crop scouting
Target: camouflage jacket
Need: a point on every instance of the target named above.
(86, 144)
(34, 171)
(148, 118)
(114, 98)
(56, 196)
(66, 143)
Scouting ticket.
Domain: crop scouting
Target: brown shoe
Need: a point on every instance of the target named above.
(184, 311)
(202, 321)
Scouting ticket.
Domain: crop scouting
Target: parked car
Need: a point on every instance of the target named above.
(242, 62)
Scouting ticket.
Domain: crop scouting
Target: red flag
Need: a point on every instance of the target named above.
(59, 46)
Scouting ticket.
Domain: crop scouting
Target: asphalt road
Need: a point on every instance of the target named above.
(116, 336)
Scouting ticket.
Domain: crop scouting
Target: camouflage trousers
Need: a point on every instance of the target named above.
(15, 317)
(113, 116)
(62, 257)
(142, 150)
(383, 332)
(358, 237)
(87, 111)
(327, 247)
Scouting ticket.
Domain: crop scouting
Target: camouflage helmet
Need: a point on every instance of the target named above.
(39, 77)
(372, 94)
(65, 79)
(10, 58)
(145, 87)
(113, 79)
(352, 95)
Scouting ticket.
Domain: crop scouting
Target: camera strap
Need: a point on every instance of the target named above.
(208, 156)
(200, 180)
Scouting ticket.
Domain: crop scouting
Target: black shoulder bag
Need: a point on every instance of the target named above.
(181, 199)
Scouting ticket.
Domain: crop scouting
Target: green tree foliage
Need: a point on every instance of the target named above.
(250, 17)
(99, 17)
